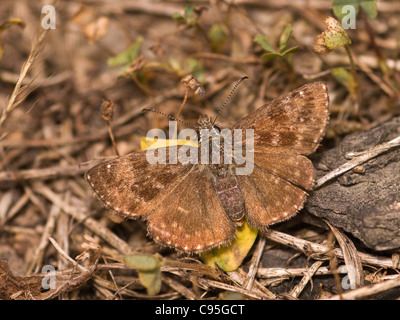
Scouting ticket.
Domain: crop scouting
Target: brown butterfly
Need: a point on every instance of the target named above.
(195, 207)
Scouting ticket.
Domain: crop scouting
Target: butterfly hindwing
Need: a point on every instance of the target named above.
(266, 206)
(192, 218)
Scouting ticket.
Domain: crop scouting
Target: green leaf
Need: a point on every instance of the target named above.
(177, 16)
(217, 35)
(148, 267)
(368, 6)
(265, 43)
(142, 262)
(338, 5)
(346, 79)
(151, 281)
(267, 56)
(190, 15)
(194, 67)
(291, 50)
(285, 38)
(189, 10)
(128, 56)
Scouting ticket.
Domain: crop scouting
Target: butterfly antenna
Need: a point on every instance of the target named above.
(229, 97)
(170, 117)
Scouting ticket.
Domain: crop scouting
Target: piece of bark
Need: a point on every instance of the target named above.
(364, 201)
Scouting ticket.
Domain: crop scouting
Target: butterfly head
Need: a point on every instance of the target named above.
(205, 122)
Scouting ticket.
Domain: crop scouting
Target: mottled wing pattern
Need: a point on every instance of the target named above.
(192, 219)
(296, 120)
(285, 130)
(178, 201)
(133, 187)
(274, 191)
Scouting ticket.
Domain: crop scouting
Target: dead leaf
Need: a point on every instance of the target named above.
(351, 259)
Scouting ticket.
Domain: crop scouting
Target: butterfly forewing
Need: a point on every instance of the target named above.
(295, 121)
(133, 187)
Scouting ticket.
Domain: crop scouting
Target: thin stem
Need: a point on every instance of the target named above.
(354, 74)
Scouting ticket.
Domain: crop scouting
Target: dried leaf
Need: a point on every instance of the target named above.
(334, 37)
(96, 29)
(351, 258)
(6, 25)
(153, 143)
(230, 258)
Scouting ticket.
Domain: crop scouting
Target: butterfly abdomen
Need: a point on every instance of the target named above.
(230, 196)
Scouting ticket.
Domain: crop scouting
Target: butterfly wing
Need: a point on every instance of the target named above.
(132, 186)
(295, 121)
(275, 190)
(192, 218)
(181, 207)
(285, 130)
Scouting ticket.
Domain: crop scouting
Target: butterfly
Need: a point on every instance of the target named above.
(196, 207)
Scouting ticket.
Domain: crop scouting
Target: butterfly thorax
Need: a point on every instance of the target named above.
(222, 174)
